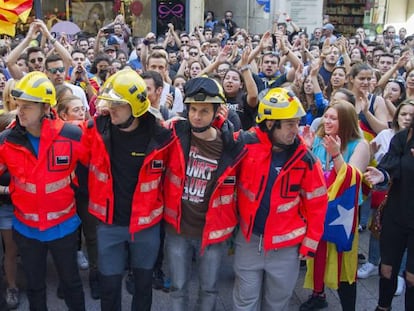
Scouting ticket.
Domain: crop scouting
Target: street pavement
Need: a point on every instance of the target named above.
(367, 292)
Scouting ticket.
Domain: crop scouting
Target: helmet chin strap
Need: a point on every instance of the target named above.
(202, 129)
(127, 123)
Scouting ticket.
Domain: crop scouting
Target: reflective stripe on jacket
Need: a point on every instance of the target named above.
(41, 186)
(298, 199)
(148, 201)
(221, 217)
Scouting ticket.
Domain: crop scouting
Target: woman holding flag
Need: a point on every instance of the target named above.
(344, 155)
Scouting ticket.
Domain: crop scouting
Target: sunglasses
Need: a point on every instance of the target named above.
(39, 60)
(193, 53)
(397, 80)
(184, 41)
(55, 70)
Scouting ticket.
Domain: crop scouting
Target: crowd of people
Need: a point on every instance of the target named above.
(160, 151)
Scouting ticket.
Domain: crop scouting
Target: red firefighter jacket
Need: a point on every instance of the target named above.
(221, 217)
(41, 186)
(148, 199)
(298, 199)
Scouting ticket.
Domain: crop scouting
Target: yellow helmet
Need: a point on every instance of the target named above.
(279, 104)
(35, 87)
(125, 87)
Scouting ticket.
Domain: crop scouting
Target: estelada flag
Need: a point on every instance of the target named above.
(342, 212)
(10, 12)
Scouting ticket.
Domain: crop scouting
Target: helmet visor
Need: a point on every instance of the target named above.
(110, 94)
(105, 104)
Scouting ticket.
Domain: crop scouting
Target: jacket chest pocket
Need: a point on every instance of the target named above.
(60, 156)
(292, 183)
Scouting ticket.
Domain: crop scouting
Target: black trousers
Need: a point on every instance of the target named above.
(34, 260)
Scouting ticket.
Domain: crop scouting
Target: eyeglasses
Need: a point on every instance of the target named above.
(55, 70)
(39, 60)
(193, 53)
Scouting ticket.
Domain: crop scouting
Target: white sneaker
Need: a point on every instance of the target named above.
(400, 286)
(82, 261)
(367, 270)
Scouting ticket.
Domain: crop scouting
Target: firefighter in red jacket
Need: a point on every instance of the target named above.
(129, 152)
(200, 202)
(282, 201)
(40, 152)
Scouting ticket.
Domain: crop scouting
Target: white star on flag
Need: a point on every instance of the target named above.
(346, 219)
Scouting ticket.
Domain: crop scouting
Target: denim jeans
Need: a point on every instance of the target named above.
(89, 223)
(374, 246)
(403, 264)
(180, 250)
(113, 241)
(365, 211)
(34, 259)
(112, 253)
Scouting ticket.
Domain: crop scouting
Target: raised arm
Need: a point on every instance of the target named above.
(261, 46)
(60, 49)
(11, 60)
(291, 57)
(251, 87)
(174, 34)
(404, 58)
(221, 58)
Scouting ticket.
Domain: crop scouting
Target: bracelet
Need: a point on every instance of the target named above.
(245, 67)
(336, 156)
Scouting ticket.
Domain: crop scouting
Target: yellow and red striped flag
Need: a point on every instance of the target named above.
(10, 12)
(341, 215)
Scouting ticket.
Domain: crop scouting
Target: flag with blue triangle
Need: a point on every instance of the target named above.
(341, 216)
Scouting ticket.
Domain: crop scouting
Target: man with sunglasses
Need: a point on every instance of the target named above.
(56, 72)
(35, 56)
